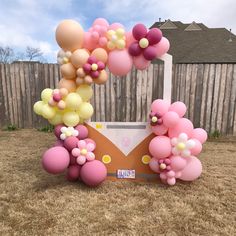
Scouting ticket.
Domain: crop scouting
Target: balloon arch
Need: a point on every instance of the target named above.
(166, 146)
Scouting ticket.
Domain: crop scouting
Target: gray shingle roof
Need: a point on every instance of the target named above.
(209, 45)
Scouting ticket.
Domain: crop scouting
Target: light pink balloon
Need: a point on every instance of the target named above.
(120, 62)
(170, 119)
(89, 140)
(159, 129)
(115, 26)
(160, 147)
(140, 62)
(162, 47)
(154, 165)
(197, 148)
(55, 160)
(129, 39)
(179, 108)
(177, 163)
(183, 126)
(160, 106)
(89, 43)
(192, 170)
(101, 22)
(93, 173)
(200, 134)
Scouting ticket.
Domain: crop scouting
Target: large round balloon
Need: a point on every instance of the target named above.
(69, 35)
(56, 160)
(119, 62)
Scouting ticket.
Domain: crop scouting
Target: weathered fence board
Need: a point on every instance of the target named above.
(208, 90)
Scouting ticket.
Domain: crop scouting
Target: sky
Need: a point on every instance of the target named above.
(33, 22)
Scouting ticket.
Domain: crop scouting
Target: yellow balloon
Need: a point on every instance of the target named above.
(73, 101)
(70, 118)
(48, 112)
(38, 107)
(85, 91)
(56, 120)
(120, 44)
(46, 95)
(85, 110)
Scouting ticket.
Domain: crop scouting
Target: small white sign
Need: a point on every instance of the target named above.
(126, 174)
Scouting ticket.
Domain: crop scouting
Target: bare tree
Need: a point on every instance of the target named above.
(33, 53)
(7, 54)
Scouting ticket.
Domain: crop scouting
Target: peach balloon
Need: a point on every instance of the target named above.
(79, 57)
(69, 35)
(68, 71)
(70, 85)
(100, 54)
(102, 78)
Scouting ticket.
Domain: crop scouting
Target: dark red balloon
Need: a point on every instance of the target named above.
(149, 53)
(139, 31)
(154, 36)
(134, 49)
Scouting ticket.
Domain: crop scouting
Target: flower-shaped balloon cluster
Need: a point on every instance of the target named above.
(68, 132)
(174, 155)
(57, 98)
(116, 39)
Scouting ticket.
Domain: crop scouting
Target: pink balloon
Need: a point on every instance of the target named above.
(160, 106)
(200, 134)
(160, 147)
(57, 130)
(70, 143)
(115, 26)
(55, 160)
(140, 62)
(183, 126)
(149, 53)
(177, 163)
(73, 172)
(162, 47)
(88, 42)
(93, 173)
(159, 129)
(154, 36)
(197, 148)
(179, 108)
(170, 119)
(154, 165)
(83, 131)
(59, 143)
(129, 39)
(139, 31)
(73, 160)
(192, 170)
(101, 22)
(89, 140)
(119, 62)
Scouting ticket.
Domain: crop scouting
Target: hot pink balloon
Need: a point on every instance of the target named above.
(140, 62)
(177, 163)
(162, 47)
(160, 147)
(178, 107)
(200, 134)
(183, 126)
(120, 62)
(93, 173)
(55, 160)
(192, 170)
(197, 148)
(170, 119)
(154, 165)
(115, 26)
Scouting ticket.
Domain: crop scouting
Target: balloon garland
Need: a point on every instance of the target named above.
(83, 58)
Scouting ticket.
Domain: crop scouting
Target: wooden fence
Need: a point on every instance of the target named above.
(208, 90)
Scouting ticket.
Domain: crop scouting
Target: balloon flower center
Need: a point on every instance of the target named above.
(65, 60)
(181, 146)
(154, 119)
(143, 43)
(163, 166)
(68, 133)
(84, 151)
(94, 67)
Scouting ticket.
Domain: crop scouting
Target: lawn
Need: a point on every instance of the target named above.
(36, 203)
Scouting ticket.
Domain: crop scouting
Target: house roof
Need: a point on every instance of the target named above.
(196, 43)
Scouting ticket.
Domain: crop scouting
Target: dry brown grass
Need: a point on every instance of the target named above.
(36, 203)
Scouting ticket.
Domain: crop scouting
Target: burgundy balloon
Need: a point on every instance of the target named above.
(72, 160)
(73, 172)
(134, 49)
(94, 74)
(92, 59)
(139, 31)
(101, 65)
(70, 143)
(149, 53)
(57, 130)
(154, 36)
